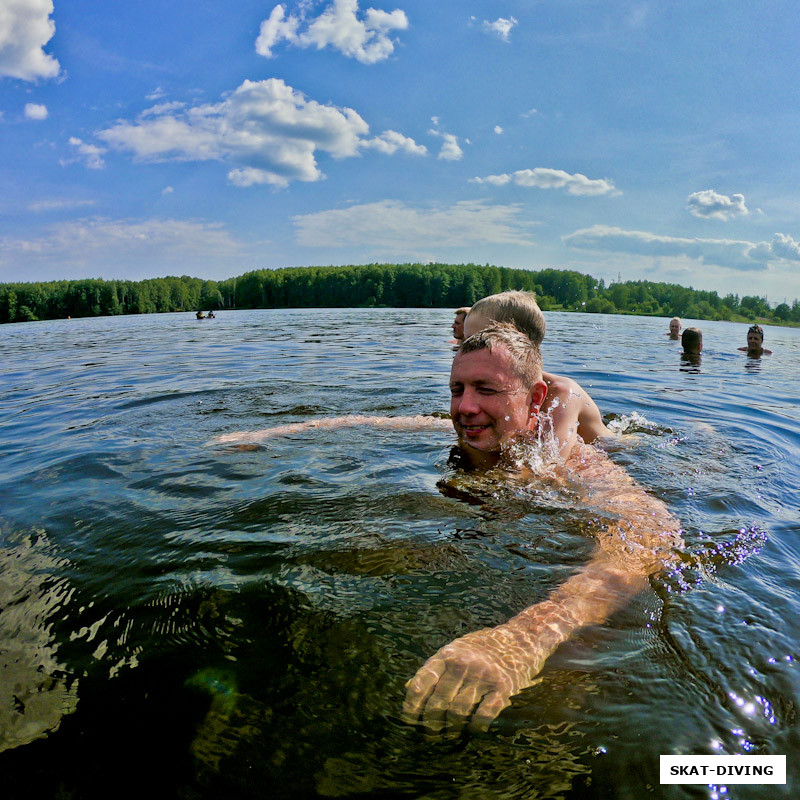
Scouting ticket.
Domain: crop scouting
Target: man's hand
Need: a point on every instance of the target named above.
(472, 679)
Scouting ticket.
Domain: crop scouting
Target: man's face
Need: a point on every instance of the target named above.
(489, 403)
(458, 326)
(675, 327)
(754, 340)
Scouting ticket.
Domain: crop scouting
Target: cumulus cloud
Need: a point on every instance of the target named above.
(708, 204)
(89, 154)
(498, 130)
(451, 150)
(35, 111)
(500, 27)
(399, 227)
(390, 142)
(161, 243)
(731, 253)
(367, 39)
(270, 130)
(543, 178)
(785, 247)
(25, 28)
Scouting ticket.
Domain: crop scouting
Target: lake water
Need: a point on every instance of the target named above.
(193, 621)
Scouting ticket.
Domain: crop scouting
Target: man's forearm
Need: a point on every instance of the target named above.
(587, 598)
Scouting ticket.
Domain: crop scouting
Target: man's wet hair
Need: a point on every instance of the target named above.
(524, 356)
(519, 308)
(463, 310)
(756, 329)
(691, 340)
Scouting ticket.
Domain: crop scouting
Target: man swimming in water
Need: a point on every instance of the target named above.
(755, 343)
(568, 407)
(497, 393)
(674, 331)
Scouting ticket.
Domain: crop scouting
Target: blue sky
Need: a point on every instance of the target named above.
(652, 140)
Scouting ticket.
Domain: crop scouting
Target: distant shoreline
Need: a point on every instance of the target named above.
(380, 285)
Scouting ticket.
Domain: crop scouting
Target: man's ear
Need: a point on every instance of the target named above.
(536, 396)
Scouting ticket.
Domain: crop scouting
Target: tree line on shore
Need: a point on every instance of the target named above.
(371, 285)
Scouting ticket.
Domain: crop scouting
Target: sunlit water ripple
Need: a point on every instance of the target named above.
(243, 621)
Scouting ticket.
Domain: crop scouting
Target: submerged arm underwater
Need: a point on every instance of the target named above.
(472, 679)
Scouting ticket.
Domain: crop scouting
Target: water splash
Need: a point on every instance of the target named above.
(697, 563)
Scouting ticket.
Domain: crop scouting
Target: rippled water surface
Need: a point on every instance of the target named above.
(179, 619)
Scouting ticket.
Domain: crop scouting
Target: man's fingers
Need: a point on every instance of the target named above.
(462, 704)
(488, 710)
(421, 686)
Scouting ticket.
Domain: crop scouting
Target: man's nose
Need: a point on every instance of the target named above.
(468, 402)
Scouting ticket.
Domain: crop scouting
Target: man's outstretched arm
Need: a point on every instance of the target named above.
(419, 422)
(472, 679)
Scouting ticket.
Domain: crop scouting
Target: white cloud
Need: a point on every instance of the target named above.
(531, 112)
(390, 142)
(167, 190)
(35, 111)
(275, 28)
(162, 243)
(58, 205)
(271, 130)
(498, 130)
(396, 226)
(451, 151)
(162, 108)
(730, 253)
(543, 178)
(708, 204)
(90, 154)
(25, 28)
(368, 40)
(500, 27)
(785, 247)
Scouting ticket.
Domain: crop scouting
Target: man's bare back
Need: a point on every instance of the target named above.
(571, 412)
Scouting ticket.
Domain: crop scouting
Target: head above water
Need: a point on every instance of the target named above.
(458, 322)
(518, 308)
(692, 341)
(675, 327)
(755, 334)
(523, 358)
(496, 391)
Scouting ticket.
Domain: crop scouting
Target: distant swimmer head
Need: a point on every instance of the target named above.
(458, 322)
(755, 337)
(692, 341)
(674, 327)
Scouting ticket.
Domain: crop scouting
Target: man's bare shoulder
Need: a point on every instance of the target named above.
(561, 385)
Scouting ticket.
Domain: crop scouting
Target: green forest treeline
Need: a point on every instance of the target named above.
(392, 285)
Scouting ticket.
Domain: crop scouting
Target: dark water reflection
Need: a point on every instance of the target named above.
(206, 622)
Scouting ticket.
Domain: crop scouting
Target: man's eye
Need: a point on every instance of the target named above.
(486, 390)
(454, 390)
